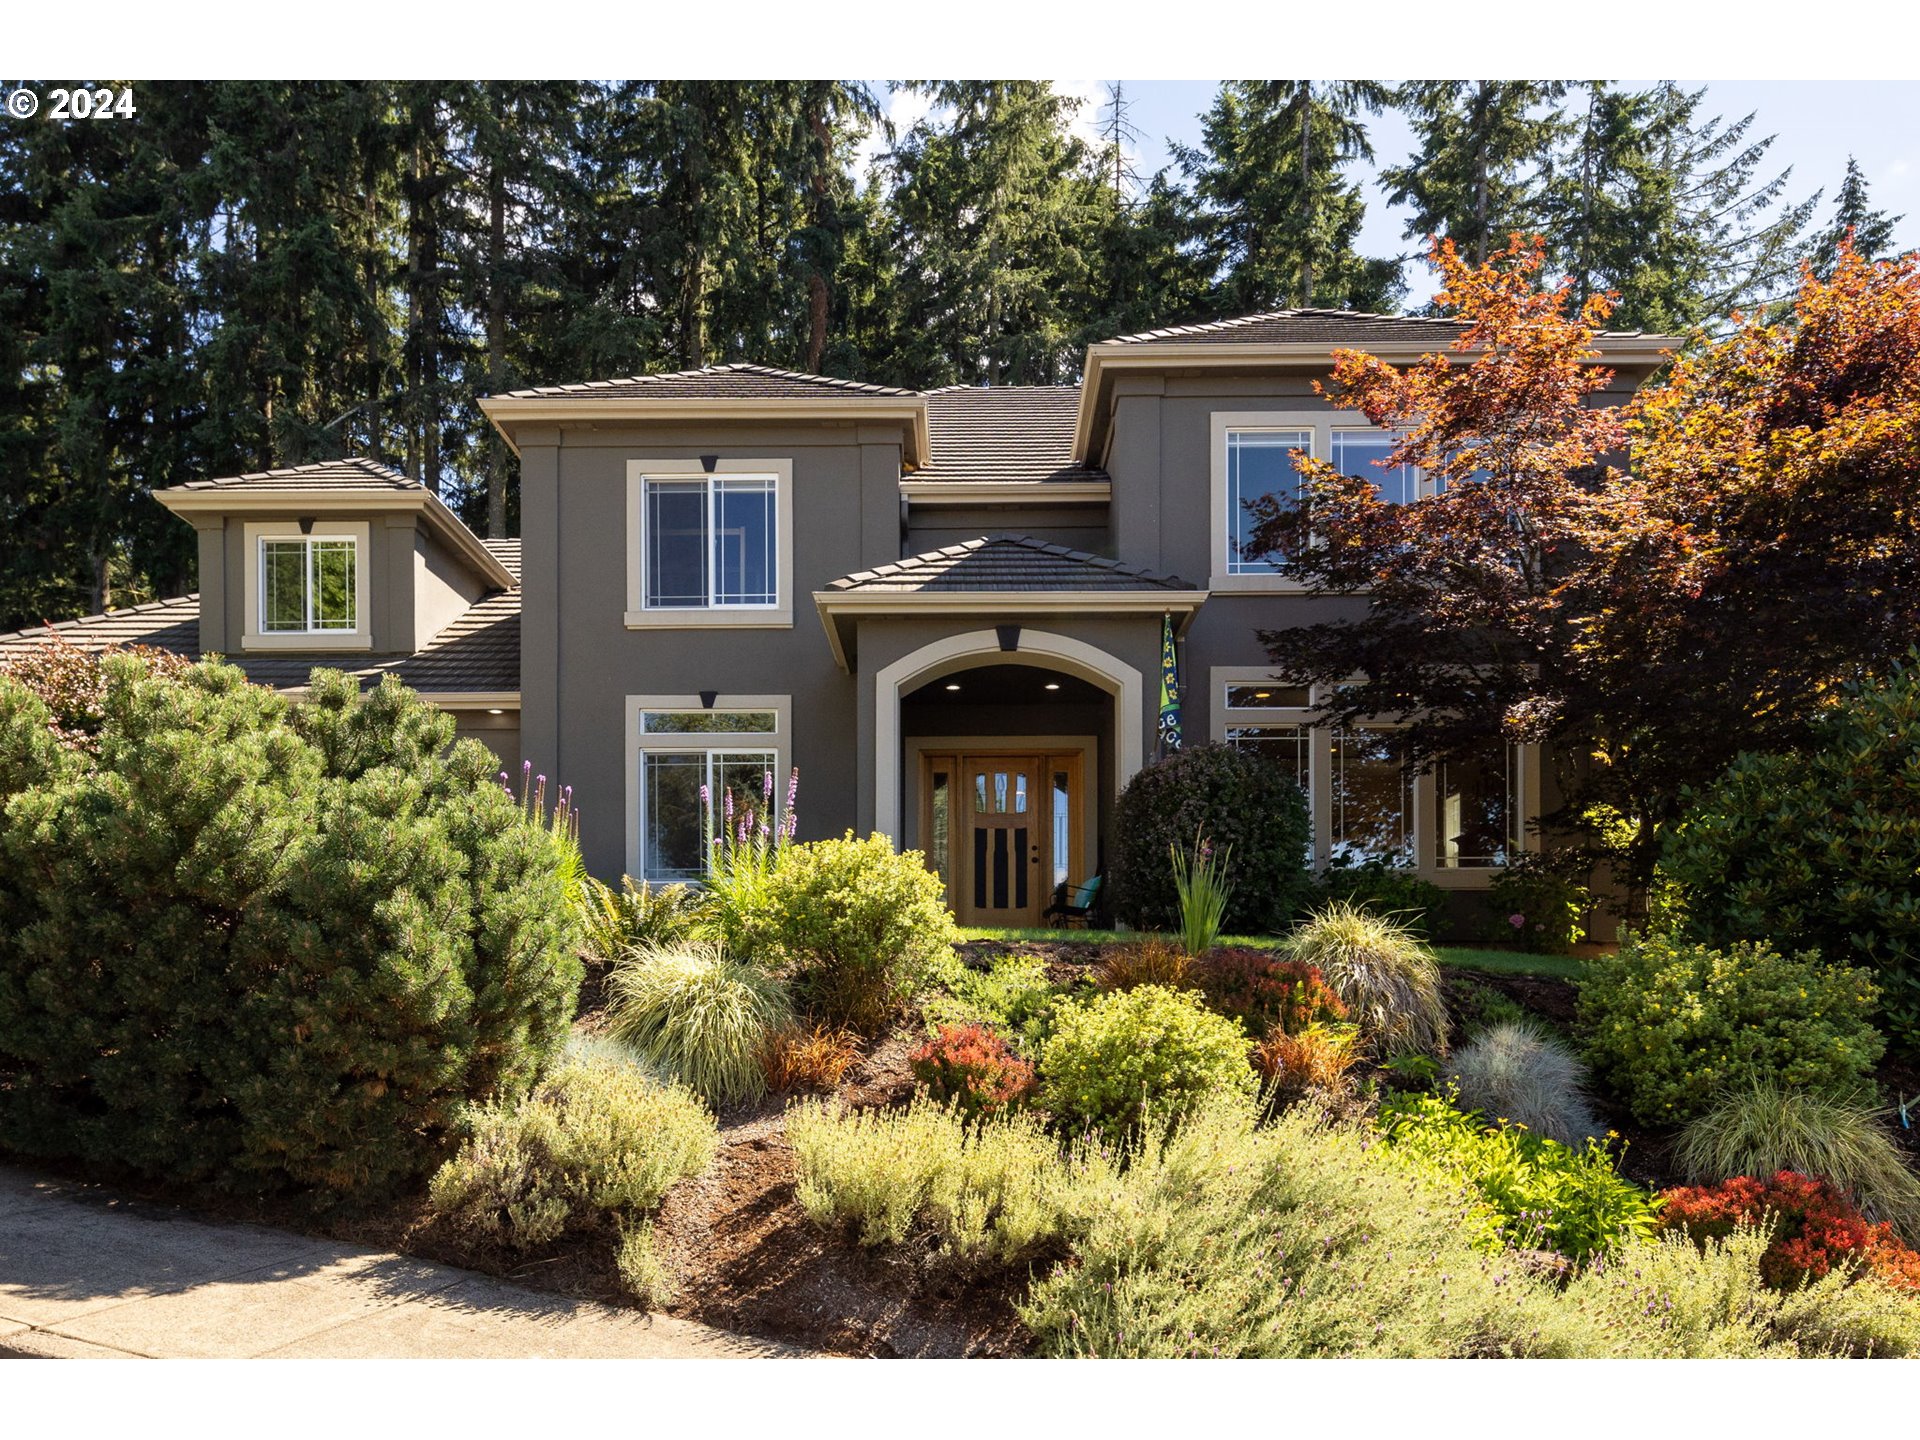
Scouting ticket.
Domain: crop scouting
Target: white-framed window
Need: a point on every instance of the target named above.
(1253, 459)
(307, 585)
(709, 546)
(694, 768)
(1456, 825)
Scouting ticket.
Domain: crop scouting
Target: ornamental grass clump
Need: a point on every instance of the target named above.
(1116, 1059)
(1386, 977)
(596, 1145)
(801, 1057)
(999, 1189)
(1515, 1071)
(1762, 1127)
(1200, 886)
(699, 1017)
(1152, 961)
(1668, 1025)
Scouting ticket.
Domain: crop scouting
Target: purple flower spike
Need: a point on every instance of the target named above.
(766, 783)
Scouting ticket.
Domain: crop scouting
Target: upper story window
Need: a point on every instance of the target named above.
(1260, 464)
(710, 542)
(1254, 460)
(309, 584)
(709, 547)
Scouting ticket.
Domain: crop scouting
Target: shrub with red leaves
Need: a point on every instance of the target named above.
(973, 1069)
(1815, 1227)
(1266, 991)
(68, 681)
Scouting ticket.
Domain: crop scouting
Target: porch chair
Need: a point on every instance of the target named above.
(1074, 902)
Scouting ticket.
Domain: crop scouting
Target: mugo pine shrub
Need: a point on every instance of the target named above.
(266, 945)
(1668, 1025)
(1239, 800)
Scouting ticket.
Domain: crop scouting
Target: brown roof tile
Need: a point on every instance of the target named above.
(1004, 433)
(1002, 563)
(355, 473)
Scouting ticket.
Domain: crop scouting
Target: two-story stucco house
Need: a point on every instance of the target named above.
(944, 608)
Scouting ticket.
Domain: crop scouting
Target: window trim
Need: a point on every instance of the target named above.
(1322, 423)
(1424, 794)
(780, 741)
(255, 636)
(639, 615)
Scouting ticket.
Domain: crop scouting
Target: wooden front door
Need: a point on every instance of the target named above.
(1001, 871)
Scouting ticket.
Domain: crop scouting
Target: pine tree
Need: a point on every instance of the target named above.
(1479, 174)
(995, 210)
(1278, 218)
(1853, 217)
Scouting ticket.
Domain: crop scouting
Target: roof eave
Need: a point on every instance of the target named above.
(1107, 355)
(507, 411)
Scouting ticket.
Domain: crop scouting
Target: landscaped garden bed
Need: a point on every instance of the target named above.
(797, 1102)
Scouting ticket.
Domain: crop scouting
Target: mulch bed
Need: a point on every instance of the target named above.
(746, 1257)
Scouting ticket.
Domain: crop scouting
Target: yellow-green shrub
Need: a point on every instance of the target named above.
(1120, 1057)
(1668, 1025)
(597, 1142)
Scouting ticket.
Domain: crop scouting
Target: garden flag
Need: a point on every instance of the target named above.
(1169, 690)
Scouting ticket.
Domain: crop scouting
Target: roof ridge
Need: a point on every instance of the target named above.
(730, 367)
(1234, 322)
(365, 464)
(909, 564)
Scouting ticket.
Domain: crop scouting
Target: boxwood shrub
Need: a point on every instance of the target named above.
(262, 944)
(1669, 1025)
(1233, 797)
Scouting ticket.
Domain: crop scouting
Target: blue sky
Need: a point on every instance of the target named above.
(1817, 124)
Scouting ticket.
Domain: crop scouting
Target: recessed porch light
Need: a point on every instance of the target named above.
(953, 687)
(496, 712)
(1053, 684)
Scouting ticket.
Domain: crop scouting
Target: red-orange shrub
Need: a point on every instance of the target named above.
(1815, 1227)
(1266, 991)
(1316, 1059)
(795, 1058)
(973, 1069)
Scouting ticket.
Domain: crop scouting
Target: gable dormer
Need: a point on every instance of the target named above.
(343, 557)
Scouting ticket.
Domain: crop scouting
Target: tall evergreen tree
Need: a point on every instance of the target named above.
(1479, 172)
(997, 208)
(1854, 217)
(1279, 218)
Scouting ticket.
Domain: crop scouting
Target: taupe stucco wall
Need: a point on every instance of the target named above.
(499, 733)
(580, 662)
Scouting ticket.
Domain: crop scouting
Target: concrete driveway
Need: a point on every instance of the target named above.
(86, 1274)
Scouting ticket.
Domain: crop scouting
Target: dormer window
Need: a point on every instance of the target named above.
(309, 584)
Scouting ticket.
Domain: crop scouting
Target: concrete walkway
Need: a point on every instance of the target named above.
(86, 1274)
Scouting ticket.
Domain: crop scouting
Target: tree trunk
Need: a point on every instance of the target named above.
(496, 343)
(1306, 195)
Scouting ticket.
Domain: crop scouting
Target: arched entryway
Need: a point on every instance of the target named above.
(978, 743)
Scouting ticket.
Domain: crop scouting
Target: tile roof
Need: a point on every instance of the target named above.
(507, 552)
(478, 652)
(354, 473)
(1313, 327)
(714, 382)
(1004, 433)
(1002, 563)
